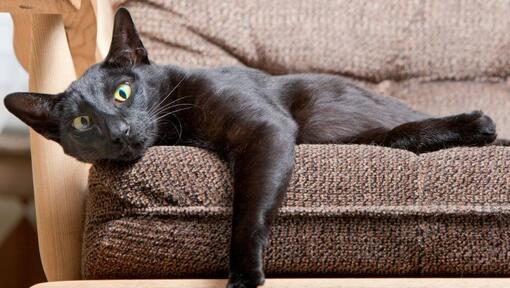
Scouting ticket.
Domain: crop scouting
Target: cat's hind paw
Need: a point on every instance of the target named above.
(475, 128)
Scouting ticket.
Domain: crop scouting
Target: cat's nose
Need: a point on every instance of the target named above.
(119, 131)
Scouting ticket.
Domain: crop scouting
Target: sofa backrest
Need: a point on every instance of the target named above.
(415, 50)
(366, 39)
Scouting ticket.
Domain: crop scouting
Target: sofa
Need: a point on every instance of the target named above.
(351, 210)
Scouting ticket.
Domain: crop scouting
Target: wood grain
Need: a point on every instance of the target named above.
(296, 283)
(60, 182)
(104, 19)
(39, 6)
(54, 48)
(22, 38)
(81, 33)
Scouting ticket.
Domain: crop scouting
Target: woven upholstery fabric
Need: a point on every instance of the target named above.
(407, 49)
(452, 97)
(371, 40)
(350, 210)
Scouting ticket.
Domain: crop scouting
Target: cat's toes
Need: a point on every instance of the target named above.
(248, 280)
(476, 128)
(469, 116)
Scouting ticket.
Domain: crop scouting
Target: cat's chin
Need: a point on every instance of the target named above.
(130, 155)
(124, 157)
(127, 154)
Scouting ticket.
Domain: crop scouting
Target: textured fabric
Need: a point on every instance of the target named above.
(371, 40)
(406, 49)
(452, 97)
(350, 210)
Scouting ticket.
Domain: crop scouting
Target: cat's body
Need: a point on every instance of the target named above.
(124, 105)
(320, 108)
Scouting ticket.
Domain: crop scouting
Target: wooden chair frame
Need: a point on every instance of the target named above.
(55, 41)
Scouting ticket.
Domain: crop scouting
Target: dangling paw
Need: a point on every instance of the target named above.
(246, 280)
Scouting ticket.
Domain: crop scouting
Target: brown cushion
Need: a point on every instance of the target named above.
(350, 210)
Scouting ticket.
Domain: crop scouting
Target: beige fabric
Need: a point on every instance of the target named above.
(350, 210)
(452, 97)
(399, 47)
(371, 40)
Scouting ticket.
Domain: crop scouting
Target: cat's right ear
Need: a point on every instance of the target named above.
(37, 111)
(126, 48)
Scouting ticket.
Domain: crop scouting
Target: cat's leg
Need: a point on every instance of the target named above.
(468, 129)
(261, 170)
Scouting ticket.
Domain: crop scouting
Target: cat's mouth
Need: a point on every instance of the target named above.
(131, 152)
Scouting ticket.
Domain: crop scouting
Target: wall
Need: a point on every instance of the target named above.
(12, 76)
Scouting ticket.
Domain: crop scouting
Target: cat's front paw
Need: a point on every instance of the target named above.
(246, 280)
(475, 128)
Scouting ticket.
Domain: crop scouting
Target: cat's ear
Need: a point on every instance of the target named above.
(37, 111)
(126, 48)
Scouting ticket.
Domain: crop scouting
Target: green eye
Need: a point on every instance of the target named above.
(122, 92)
(82, 123)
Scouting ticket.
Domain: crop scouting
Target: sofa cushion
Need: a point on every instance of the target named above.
(350, 210)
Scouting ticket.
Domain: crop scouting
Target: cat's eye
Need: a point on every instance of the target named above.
(82, 123)
(122, 92)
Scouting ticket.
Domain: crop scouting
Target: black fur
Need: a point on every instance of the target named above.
(252, 119)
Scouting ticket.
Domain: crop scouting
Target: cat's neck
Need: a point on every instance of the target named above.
(171, 104)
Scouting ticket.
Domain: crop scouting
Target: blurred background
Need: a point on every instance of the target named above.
(19, 255)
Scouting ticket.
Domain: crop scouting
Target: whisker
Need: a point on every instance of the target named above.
(171, 91)
(171, 112)
(180, 126)
(171, 106)
(176, 130)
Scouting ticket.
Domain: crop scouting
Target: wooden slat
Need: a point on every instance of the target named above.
(81, 30)
(60, 182)
(22, 38)
(39, 6)
(53, 49)
(295, 283)
(77, 3)
(104, 19)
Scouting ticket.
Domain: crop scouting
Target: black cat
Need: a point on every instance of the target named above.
(124, 105)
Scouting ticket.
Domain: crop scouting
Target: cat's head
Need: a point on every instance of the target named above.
(106, 114)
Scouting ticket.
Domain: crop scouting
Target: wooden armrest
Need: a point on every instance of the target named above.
(55, 48)
(40, 6)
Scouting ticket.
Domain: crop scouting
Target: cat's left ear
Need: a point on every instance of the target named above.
(126, 48)
(37, 111)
